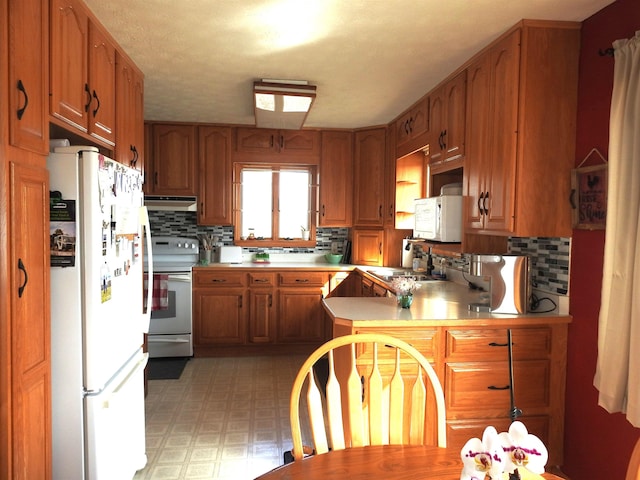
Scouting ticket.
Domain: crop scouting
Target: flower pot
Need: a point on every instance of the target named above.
(405, 300)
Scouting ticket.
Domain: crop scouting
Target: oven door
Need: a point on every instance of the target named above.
(170, 329)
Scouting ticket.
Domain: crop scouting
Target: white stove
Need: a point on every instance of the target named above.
(170, 328)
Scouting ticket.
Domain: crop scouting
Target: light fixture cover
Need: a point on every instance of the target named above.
(282, 105)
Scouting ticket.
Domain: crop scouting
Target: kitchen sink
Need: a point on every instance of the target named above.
(389, 276)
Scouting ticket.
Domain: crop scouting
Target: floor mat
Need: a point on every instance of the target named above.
(166, 368)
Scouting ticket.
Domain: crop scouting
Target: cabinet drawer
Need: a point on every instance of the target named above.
(425, 341)
(219, 279)
(459, 431)
(492, 344)
(472, 388)
(305, 279)
(261, 279)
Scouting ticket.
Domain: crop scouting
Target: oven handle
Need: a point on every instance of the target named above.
(184, 277)
(167, 340)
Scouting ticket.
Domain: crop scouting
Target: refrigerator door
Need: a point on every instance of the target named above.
(116, 426)
(112, 274)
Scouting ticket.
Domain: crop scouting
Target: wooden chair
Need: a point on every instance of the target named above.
(383, 400)
(633, 471)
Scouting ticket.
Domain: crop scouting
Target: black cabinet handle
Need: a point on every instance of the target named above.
(218, 280)
(88, 92)
(26, 278)
(281, 142)
(26, 99)
(494, 344)
(155, 178)
(134, 158)
(484, 203)
(323, 210)
(302, 280)
(493, 387)
(95, 95)
(444, 140)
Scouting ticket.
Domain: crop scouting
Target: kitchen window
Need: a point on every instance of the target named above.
(275, 205)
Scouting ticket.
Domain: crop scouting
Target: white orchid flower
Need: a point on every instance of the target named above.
(483, 457)
(523, 450)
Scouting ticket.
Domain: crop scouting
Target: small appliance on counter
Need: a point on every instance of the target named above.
(229, 254)
(509, 282)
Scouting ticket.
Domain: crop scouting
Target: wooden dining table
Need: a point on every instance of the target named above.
(388, 462)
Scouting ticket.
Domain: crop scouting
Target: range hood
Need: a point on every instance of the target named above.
(171, 204)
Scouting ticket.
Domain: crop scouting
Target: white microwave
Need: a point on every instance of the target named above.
(439, 218)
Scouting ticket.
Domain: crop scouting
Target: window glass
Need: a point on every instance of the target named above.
(294, 203)
(256, 203)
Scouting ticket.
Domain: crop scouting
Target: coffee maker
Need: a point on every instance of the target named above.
(509, 278)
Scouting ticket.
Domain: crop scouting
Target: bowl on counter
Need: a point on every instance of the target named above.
(333, 258)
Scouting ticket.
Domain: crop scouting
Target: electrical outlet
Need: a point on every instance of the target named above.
(334, 247)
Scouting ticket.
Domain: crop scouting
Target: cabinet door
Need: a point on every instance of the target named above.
(70, 96)
(256, 140)
(476, 162)
(219, 316)
(215, 176)
(505, 75)
(261, 315)
(28, 74)
(299, 142)
(436, 124)
(30, 323)
(300, 315)
(369, 177)
(174, 148)
(455, 103)
(367, 247)
(129, 114)
(336, 179)
(102, 83)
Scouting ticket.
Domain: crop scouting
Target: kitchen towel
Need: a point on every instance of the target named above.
(160, 291)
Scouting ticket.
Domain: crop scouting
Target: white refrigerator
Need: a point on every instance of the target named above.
(97, 316)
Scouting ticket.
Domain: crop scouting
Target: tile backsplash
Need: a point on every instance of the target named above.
(184, 224)
(550, 257)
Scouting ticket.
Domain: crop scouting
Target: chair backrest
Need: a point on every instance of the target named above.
(375, 394)
(633, 471)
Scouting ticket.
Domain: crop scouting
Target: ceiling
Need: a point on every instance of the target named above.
(370, 59)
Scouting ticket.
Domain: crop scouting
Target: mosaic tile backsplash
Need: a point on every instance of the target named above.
(550, 257)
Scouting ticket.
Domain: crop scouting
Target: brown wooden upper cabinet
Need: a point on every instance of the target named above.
(336, 179)
(28, 73)
(522, 98)
(129, 114)
(412, 128)
(215, 176)
(83, 59)
(269, 141)
(447, 120)
(369, 181)
(171, 169)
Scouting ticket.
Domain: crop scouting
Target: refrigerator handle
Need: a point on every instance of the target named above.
(146, 312)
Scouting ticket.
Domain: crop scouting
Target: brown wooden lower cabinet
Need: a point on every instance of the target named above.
(473, 367)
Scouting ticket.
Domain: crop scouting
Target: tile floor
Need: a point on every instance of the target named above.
(225, 418)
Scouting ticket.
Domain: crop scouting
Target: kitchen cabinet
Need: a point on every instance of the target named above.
(300, 314)
(409, 185)
(25, 357)
(522, 99)
(447, 120)
(294, 143)
(28, 75)
(336, 179)
(367, 247)
(215, 176)
(172, 164)
(411, 128)
(82, 93)
(129, 149)
(220, 308)
(262, 307)
(369, 181)
(472, 363)
(25, 387)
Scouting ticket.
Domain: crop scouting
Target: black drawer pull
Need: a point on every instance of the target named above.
(21, 110)
(218, 280)
(302, 280)
(493, 387)
(26, 278)
(261, 280)
(494, 344)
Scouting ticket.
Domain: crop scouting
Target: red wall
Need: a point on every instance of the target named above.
(597, 444)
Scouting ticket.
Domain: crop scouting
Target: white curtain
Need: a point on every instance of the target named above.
(618, 368)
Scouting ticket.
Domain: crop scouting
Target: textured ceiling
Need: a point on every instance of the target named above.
(370, 59)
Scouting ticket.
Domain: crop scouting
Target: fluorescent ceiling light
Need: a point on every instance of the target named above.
(282, 104)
